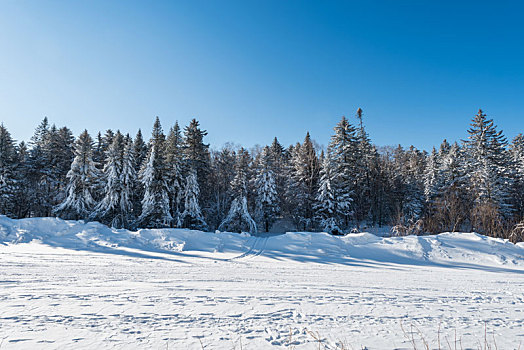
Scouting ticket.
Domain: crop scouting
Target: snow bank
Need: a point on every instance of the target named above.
(447, 249)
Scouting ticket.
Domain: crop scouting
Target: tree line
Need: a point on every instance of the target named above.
(176, 180)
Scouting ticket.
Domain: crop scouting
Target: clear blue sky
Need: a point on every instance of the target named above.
(252, 70)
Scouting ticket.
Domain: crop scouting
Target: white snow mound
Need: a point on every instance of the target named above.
(446, 249)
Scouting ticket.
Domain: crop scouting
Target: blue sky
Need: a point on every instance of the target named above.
(252, 70)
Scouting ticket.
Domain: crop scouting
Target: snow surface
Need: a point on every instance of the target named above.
(70, 284)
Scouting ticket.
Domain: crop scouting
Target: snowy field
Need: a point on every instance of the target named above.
(70, 285)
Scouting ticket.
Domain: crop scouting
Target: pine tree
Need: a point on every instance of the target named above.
(267, 200)
(326, 206)
(113, 208)
(8, 180)
(488, 164)
(196, 152)
(279, 160)
(174, 171)
(365, 158)
(517, 153)
(304, 182)
(192, 217)
(220, 179)
(129, 183)
(431, 176)
(155, 204)
(238, 218)
(37, 164)
(81, 177)
(140, 151)
(343, 151)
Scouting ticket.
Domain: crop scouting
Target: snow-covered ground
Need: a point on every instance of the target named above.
(66, 284)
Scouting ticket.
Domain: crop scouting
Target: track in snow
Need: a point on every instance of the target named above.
(256, 249)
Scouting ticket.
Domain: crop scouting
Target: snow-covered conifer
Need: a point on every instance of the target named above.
(192, 217)
(326, 206)
(267, 201)
(155, 204)
(81, 177)
(238, 219)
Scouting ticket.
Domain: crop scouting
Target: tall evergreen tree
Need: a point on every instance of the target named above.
(8, 180)
(113, 208)
(239, 219)
(192, 217)
(267, 201)
(343, 151)
(155, 204)
(174, 172)
(326, 206)
(220, 179)
(488, 164)
(366, 154)
(81, 177)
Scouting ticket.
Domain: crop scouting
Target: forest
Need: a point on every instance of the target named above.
(177, 180)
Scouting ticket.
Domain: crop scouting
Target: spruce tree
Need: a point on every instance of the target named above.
(81, 177)
(155, 204)
(174, 172)
(113, 208)
(326, 207)
(192, 217)
(8, 180)
(488, 164)
(238, 218)
(267, 201)
(343, 151)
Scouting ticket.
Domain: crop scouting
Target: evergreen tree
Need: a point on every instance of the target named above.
(343, 151)
(174, 171)
(326, 206)
(140, 151)
(238, 218)
(488, 164)
(267, 201)
(192, 217)
(37, 164)
(113, 209)
(220, 179)
(304, 182)
(81, 177)
(129, 183)
(431, 176)
(517, 153)
(155, 204)
(8, 180)
(366, 154)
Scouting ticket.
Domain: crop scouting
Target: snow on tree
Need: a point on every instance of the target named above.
(174, 171)
(304, 175)
(431, 174)
(220, 178)
(81, 177)
(128, 179)
(326, 206)
(366, 156)
(238, 219)
(192, 217)
(488, 164)
(517, 153)
(267, 201)
(115, 207)
(343, 151)
(8, 163)
(155, 204)
(140, 151)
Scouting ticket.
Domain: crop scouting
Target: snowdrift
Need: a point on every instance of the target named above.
(468, 250)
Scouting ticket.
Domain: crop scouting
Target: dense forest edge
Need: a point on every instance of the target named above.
(177, 180)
